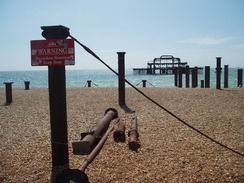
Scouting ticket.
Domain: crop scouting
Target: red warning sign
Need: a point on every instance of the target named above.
(55, 52)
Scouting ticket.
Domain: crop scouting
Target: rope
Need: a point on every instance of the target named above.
(156, 103)
(95, 84)
(139, 83)
(151, 84)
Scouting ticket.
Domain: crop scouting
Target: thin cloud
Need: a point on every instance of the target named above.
(208, 40)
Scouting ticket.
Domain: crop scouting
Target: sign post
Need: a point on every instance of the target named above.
(56, 52)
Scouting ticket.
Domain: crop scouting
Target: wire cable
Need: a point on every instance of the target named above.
(156, 103)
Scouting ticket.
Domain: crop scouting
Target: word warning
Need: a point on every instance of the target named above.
(55, 52)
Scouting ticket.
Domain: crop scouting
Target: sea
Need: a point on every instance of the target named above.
(106, 78)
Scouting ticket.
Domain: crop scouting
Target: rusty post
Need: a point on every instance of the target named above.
(90, 139)
(119, 132)
(144, 83)
(187, 76)
(207, 76)
(57, 102)
(133, 135)
(226, 76)
(8, 90)
(239, 80)
(218, 72)
(88, 83)
(27, 85)
(121, 69)
(180, 77)
(79, 175)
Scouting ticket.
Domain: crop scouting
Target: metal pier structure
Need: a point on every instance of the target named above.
(166, 64)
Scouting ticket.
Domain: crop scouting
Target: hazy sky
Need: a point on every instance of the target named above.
(197, 31)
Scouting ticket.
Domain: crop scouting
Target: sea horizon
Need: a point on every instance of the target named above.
(106, 78)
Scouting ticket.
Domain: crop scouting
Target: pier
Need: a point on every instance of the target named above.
(166, 64)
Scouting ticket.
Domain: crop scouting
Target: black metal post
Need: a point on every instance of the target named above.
(202, 83)
(226, 76)
(88, 83)
(57, 101)
(176, 76)
(239, 80)
(187, 76)
(207, 76)
(27, 85)
(8, 89)
(121, 69)
(180, 77)
(144, 83)
(193, 80)
(218, 73)
(196, 75)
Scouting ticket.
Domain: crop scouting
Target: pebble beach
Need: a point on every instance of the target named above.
(170, 151)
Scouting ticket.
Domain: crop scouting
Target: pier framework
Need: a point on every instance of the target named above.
(166, 64)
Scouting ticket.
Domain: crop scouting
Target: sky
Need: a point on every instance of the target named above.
(196, 31)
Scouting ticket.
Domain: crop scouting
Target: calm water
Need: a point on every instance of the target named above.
(105, 78)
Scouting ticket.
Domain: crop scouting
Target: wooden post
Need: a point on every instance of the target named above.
(226, 76)
(207, 76)
(121, 69)
(218, 73)
(187, 76)
(57, 101)
(239, 80)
